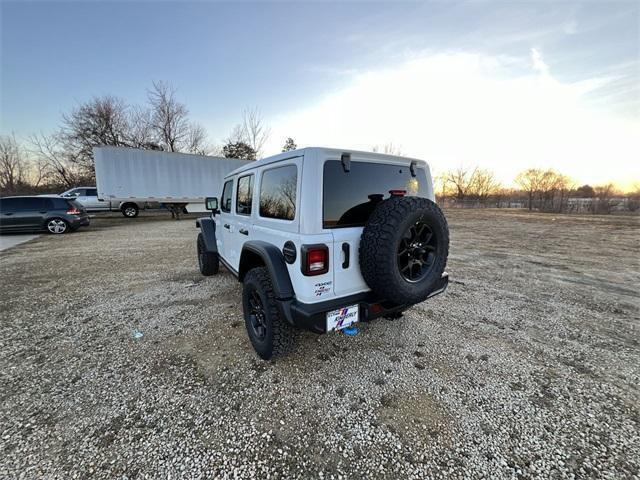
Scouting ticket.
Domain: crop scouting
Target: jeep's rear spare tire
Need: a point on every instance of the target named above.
(404, 248)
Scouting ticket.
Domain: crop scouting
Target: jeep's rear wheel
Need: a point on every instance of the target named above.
(208, 262)
(269, 333)
(404, 248)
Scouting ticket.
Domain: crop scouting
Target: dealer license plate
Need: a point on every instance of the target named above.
(342, 318)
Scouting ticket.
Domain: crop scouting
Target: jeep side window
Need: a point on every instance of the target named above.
(244, 195)
(349, 198)
(278, 192)
(225, 204)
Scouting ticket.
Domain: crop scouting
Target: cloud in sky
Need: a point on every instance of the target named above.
(502, 113)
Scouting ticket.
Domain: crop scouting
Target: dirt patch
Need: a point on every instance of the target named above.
(415, 417)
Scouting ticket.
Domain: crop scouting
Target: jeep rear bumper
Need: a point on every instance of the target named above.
(313, 316)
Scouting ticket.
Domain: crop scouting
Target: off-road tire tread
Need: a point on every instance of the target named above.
(284, 334)
(211, 263)
(376, 256)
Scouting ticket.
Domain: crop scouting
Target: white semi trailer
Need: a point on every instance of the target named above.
(132, 177)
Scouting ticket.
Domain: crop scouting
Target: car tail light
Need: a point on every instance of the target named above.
(315, 259)
(397, 193)
(73, 211)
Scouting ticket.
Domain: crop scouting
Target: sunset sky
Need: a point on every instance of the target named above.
(502, 85)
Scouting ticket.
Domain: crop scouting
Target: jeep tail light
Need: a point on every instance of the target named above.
(315, 259)
(73, 211)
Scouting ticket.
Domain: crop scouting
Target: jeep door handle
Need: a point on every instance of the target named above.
(226, 225)
(9, 214)
(244, 231)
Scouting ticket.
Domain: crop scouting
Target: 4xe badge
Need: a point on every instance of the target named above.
(322, 288)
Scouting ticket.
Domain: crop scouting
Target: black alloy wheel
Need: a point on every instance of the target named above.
(269, 332)
(257, 316)
(416, 252)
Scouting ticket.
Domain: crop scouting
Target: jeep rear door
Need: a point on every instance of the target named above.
(225, 225)
(349, 198)
(242, 215)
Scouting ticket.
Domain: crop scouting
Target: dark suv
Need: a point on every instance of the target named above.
(53, 214)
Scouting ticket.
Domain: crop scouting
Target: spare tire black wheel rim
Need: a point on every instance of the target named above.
(257, 316)
(417, 252)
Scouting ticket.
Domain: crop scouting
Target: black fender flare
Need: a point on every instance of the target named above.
(273, 260)
(208, 228)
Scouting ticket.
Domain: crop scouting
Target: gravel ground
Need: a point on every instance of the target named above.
(528, 367)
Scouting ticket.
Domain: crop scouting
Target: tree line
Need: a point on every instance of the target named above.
(64, 158)
(544, 190)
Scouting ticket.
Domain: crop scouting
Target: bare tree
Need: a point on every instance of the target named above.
(552, 190)
(237, 135)
(604, 194)
(100, 121)
(197, 140)
(168, 117)
(255, 132)
(38, 173)
(56, 163)
(458, 182)
(13, 164)
(633, 199)
(248, 136)
(140, 132)
(530, 181)
(564, 184)
(169, 123)
(482, 183)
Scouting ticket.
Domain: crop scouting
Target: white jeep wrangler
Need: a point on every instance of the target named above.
(324, 238)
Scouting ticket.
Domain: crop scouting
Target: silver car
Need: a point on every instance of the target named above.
(88, 198)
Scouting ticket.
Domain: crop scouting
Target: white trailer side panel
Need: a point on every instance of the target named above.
(154, 176)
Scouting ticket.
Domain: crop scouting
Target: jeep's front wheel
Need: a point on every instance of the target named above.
(270, 334)
(208, 262)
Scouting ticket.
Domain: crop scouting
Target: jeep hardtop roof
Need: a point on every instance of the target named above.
(337, 152)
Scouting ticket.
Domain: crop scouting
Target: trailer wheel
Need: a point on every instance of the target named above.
(130, 210)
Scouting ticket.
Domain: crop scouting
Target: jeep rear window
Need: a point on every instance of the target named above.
(350, 197)
(278, 192)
